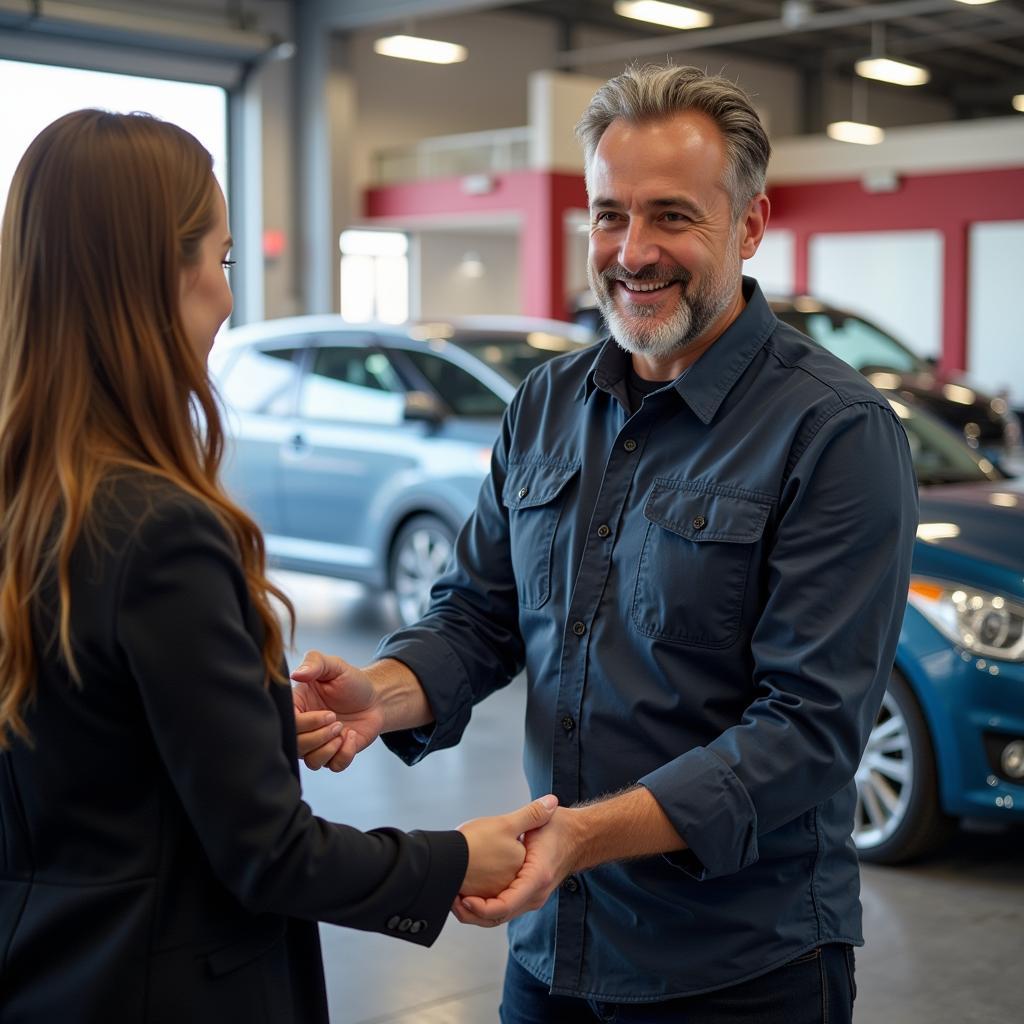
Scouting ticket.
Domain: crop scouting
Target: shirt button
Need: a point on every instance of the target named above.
(524, 491)
(578, 628)
(568, 724)
(699, 522)
(603, 531)
(570, 884)
(629, 445)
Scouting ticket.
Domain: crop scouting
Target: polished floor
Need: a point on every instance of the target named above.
(944, 938)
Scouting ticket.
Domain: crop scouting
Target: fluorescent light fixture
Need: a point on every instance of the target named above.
(1018, 102)
(896, 72)
(976, 3)
(658, 13)
(433, 51)
(854, 131)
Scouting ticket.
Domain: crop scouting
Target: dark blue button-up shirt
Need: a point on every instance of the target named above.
(706, 597)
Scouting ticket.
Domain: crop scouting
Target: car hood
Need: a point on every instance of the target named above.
(932, 392)
(978, 521)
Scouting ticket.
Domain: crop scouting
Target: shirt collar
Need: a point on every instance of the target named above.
(706, 383)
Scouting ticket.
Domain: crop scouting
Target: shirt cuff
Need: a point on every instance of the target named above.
(710, 809)
(443, 678)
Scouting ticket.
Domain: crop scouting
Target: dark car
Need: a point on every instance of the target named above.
(986, 422)
(360, 450)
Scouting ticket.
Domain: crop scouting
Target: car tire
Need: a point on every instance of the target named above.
(419, 553)
(898, 816)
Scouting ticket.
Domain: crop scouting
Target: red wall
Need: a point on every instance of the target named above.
(949, 203)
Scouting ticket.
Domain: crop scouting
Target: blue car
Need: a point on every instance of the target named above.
(949, 740)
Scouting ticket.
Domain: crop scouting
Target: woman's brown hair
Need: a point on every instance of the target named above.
(96, 373)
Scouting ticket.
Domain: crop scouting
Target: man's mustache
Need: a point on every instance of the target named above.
(648, 273)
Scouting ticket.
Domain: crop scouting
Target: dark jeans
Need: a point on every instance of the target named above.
(816, 988)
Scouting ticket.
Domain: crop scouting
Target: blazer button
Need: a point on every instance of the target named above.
(394, 922)
(417, 927)
(405, 924)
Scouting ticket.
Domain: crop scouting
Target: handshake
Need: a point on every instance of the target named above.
(516, 860)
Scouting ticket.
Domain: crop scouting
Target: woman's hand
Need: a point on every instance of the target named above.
(496, 851)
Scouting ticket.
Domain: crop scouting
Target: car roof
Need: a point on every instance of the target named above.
(425, 329)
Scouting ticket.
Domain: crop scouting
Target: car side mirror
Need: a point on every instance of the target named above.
(422, 407)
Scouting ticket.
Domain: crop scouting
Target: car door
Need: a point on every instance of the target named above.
(350, 451)
(258, 386)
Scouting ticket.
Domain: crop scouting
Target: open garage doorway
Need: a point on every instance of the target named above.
(36, 94)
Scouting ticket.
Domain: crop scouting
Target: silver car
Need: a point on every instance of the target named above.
(360, 449)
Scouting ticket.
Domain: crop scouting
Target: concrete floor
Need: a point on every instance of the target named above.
(944, 937)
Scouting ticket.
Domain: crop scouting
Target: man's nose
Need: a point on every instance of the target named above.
(638, 248)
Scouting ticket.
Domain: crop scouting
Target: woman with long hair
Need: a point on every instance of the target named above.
(157, 862)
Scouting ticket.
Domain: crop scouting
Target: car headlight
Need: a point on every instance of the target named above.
(983, 623)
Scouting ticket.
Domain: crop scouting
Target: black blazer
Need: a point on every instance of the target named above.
(157, 862)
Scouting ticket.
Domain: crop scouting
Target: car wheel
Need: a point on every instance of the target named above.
(419, 554)
(898, 815)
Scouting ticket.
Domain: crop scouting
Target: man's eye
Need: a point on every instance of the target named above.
(676, 218)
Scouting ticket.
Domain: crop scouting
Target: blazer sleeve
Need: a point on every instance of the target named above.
(182, 630)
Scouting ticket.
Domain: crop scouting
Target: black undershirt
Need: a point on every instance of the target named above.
(637, 388)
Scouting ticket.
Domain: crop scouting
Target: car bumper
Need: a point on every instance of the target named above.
(973, 707)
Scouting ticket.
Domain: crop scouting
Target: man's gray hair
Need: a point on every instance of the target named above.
(651, 92)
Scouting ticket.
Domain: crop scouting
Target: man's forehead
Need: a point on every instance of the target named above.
(668, 157)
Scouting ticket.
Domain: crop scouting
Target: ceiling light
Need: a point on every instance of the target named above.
(855, 131)
(1018, 102)
(897, 72)
(433, 51)
(658, 13)
(976, 3)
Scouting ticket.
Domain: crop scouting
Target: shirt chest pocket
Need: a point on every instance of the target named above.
(693, 570)
(534, 496)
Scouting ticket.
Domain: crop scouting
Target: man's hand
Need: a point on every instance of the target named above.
(549, 855)
(338, 711)
(496, 849)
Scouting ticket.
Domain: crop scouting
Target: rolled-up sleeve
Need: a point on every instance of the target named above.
(837, 574)
(468, 644)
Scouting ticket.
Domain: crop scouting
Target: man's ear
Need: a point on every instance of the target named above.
(752, 225)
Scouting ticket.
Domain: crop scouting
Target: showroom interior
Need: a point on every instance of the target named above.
(390, 191)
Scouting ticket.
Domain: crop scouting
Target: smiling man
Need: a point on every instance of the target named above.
(696, 540)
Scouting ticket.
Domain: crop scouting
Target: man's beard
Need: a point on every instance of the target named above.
(641, 331)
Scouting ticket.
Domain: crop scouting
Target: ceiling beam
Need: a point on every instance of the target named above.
(698, 39)
(344, 15)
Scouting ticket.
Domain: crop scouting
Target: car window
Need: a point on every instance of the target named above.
(940, 456)
(856, 342)
(459, 389)
(260, 380)
(515, 355)
(352, 384)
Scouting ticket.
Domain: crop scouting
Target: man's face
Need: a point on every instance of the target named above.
(665, 249)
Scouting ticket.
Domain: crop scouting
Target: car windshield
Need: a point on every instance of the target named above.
(856, 341)
(515, 355)
(940, 457)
